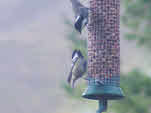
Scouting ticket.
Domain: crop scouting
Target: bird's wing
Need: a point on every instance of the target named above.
(70, 74)
(79, 70)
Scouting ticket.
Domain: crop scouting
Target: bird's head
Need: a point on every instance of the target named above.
(78, 23)
(76, 54)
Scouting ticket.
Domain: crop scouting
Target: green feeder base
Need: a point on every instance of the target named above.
(97, 92)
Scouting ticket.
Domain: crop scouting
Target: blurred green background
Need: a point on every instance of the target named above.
(36, 42)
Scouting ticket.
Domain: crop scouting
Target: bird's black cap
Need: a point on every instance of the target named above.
(79, 53)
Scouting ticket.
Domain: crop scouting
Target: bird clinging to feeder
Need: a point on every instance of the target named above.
(103, 49)
(78, 67)
(81, 15)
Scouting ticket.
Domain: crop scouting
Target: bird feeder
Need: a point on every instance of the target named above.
(104, 52)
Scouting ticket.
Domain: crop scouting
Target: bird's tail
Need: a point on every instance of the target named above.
(73, 82)
(69, 77)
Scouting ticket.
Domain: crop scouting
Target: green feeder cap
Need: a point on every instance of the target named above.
(97, 92)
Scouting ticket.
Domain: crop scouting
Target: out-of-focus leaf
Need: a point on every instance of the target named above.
(137, 17)
(131, 36)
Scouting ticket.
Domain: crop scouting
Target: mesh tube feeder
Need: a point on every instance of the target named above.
(104, 53)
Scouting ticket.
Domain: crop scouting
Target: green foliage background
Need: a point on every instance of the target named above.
(136, 18)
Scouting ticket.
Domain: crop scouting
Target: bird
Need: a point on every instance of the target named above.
(81, 15)
(78, 67)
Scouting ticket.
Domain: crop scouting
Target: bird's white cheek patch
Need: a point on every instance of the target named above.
(77, 18)
(75, 58)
